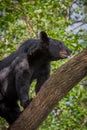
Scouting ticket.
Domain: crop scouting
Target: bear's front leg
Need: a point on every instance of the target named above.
(43, 76)
(22, 87)
(23, 81)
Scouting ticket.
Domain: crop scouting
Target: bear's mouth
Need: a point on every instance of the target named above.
(63, 54)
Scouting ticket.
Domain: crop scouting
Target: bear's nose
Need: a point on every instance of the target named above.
(69, 51)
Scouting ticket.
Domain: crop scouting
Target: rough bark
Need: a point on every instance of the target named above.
(53, 90)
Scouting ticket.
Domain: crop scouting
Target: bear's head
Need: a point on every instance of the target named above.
(55, 49)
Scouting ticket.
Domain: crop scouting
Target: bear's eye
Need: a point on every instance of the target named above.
(60, 43)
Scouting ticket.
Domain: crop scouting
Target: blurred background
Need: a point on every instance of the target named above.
(65, 20)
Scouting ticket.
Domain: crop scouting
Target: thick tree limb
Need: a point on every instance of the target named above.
(65, 78)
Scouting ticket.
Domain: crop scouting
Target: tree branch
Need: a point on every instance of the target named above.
(53, 90)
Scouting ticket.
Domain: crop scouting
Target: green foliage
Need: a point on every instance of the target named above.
(24, 19)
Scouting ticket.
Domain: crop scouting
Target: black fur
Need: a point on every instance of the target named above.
(17, 72)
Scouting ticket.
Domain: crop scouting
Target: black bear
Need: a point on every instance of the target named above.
(18, 70)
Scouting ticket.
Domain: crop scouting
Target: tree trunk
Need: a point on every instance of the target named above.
(53, 90)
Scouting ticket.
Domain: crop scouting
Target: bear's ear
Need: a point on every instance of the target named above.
(44, 37)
